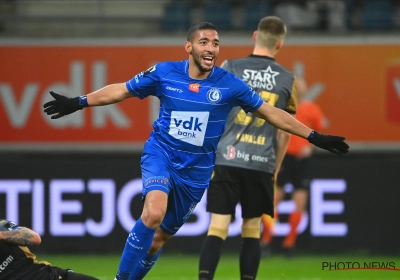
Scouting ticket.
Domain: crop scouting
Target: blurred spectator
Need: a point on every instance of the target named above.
(378, 14)
(331, 14)
(336, 15)
(7, 8)
(396, 14)
(298, 15)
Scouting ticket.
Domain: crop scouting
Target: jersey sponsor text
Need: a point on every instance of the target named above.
(174, 89)
(194, 87)
(262, 79)
(5, 263)
(252, 139)
(189, 127)
(232, 153)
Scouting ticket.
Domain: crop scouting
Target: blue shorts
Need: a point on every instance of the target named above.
(182, 198)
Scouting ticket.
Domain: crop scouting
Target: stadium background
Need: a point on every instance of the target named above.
(76, 180)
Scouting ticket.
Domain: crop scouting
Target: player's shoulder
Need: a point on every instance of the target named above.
(221, 73)
(257, 62)
(166, 66)
(283, 69)
(174, 64)
(237, 60)
(230, 63)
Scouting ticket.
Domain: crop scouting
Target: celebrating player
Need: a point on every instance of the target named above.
(178, 159)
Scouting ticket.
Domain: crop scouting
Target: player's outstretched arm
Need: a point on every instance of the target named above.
(62, 105)
(20, 236)
(284, 121)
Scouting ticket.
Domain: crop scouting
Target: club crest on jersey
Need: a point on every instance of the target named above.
(214, 95)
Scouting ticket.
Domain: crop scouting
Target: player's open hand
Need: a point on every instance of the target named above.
(61, 105)
(334, 144)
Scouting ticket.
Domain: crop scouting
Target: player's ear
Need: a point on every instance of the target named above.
(188, 47)
(255, 35)
(279, 44)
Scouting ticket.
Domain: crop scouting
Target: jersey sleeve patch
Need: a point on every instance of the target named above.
(144, 83)
(8, 225)
(151, 69)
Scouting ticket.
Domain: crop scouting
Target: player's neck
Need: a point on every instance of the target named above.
(195, 73)
(263, 51)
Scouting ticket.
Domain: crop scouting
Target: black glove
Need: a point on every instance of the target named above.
(334, 144)
(63, 105)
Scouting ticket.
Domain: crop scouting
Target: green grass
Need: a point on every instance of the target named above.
(184, 267)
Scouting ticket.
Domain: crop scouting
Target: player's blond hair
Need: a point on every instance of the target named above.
(270, 30)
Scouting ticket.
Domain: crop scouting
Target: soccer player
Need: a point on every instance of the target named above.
(295, 170)
(18, 263)
(249, 153)
(178, 159)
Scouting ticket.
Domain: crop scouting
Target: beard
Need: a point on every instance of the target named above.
(197, 60)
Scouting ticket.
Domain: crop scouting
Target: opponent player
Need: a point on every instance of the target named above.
(178, 159)
(249, 153)
(18, 263)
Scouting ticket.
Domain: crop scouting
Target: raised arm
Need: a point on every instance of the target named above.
(110, 94)
(62, 105)
(284, 121)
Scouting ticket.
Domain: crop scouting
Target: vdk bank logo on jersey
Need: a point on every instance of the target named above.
(189, 127)
(262, 79)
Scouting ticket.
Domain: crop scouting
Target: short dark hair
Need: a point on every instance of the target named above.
(199, 26)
